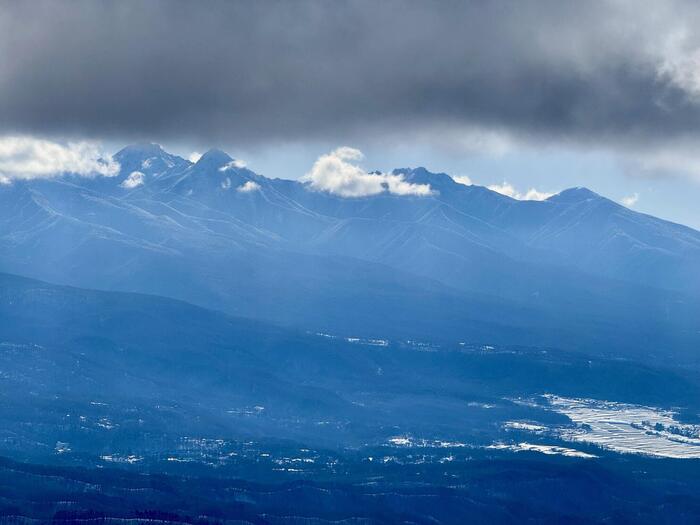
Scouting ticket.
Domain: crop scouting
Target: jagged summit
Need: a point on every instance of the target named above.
(215, 176)
(146, 157)
(419, 172)
(214, 158)
(421, 175)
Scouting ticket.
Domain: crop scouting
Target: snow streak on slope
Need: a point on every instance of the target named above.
(549, 450)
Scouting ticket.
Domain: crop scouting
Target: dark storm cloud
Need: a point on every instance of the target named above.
(251, 71)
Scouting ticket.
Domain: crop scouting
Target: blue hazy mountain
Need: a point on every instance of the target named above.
(576, 271)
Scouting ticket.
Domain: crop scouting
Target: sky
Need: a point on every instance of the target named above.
(526, 97)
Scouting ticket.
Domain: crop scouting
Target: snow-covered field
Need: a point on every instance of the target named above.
(627, 428)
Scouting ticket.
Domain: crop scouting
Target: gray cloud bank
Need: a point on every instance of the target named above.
(584, 72)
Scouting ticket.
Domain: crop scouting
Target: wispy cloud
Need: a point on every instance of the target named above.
(338, 173)
(249, 187)
(234, 164)
(23, 157)
(462, 179)
(630, 200)
(530, 195)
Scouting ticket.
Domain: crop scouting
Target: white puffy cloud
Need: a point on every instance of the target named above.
(194, 156)
(504, 189)
(630, 200)
(534, 195)
(248, 187)
(530, 195)
(226, 184)
(134, 180)
(23, 157)
(337, 172)
(462, 179)
(398, 186)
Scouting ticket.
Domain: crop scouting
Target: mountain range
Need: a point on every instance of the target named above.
(461, 263)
